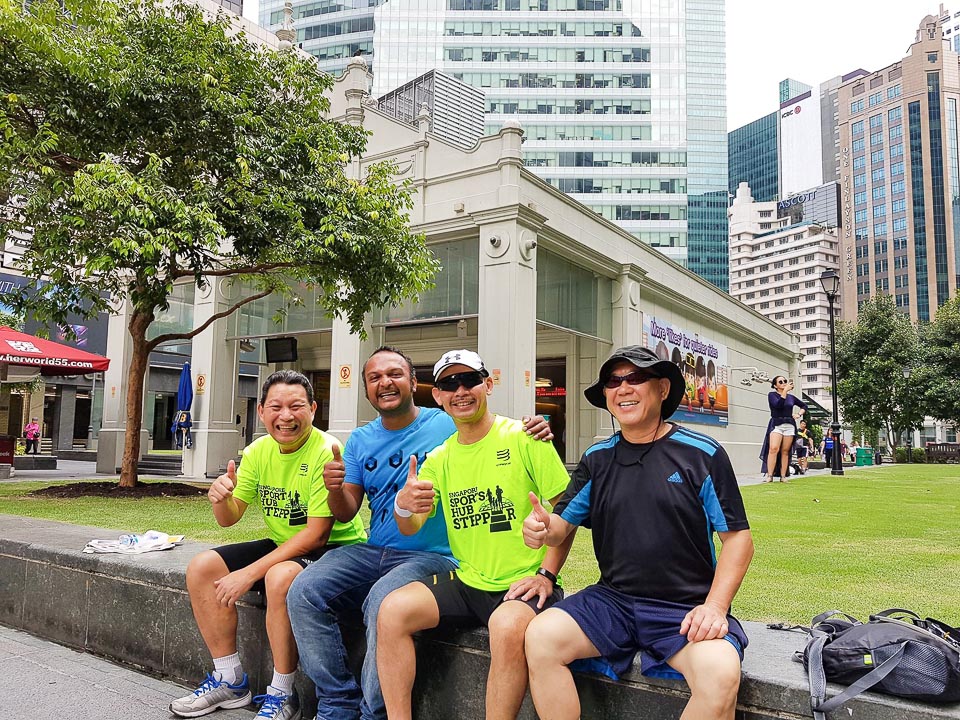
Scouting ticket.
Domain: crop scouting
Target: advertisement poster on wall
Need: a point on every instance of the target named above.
(703, 363)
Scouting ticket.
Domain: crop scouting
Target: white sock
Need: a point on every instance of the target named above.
(228, 668)
(282, 684)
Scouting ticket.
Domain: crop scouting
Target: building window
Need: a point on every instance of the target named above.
(857, 128)
(856, 106)
(876, 121)
(876, 99)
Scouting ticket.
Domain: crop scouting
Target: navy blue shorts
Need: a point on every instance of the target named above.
(621, 625)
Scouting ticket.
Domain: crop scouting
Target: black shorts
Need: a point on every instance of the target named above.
(239, 555)
(801, 451)
(466, 606)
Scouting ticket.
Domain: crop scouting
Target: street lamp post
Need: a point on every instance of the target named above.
(830, 280)
(906, 376)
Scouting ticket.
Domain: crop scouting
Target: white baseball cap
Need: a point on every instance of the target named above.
(459, 357)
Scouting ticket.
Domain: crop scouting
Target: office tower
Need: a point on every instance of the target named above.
(754, 160)
(900, 178)
(775, 266)
(622, 109)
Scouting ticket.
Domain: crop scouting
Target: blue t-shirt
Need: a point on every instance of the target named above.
(377, 459)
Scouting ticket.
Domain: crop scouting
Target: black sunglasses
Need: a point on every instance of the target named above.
(468, 379)
(634, 378)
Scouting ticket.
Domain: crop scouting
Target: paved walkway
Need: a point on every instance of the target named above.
(76, 470)
(40, 680)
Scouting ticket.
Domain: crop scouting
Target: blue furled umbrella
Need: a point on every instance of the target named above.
(181, 419)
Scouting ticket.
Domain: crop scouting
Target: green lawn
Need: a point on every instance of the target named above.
(875, 538)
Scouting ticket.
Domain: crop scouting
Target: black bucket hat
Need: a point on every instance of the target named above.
(645, 359)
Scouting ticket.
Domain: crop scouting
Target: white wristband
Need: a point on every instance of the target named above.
(399, 510)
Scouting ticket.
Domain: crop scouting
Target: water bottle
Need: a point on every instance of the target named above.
(129, 540)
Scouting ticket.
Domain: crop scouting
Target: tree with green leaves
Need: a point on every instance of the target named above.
(939, 373)
(146, 144)
(871, 356)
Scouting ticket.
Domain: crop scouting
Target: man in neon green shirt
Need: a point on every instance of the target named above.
(284, 471)
(483, 476)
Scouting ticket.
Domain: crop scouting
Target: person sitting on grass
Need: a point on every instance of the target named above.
(654, 494)
(284, 470)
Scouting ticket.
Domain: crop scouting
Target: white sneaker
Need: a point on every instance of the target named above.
(212, 695)
(278, 707)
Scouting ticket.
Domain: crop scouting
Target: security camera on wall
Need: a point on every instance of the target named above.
(281, 350)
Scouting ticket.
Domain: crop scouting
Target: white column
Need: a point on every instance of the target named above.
(216, 359)
(507, 326)
(347, 355)
(627, 318)
(120, 352)
(627, 330)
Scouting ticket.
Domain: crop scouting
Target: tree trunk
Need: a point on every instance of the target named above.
(139, 322)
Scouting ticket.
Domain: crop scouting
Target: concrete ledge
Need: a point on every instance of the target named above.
(134, 609)
(83, 455)
(35, 462)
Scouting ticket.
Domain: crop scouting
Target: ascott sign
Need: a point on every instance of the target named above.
(796, 200)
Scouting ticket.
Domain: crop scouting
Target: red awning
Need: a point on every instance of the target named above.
(17, 348)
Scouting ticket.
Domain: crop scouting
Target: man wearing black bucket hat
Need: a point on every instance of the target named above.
(653, 493)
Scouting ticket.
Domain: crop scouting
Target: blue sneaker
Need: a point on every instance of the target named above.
(278, 707)
(212, 695)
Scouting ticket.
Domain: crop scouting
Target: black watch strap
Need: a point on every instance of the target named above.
(548, 575)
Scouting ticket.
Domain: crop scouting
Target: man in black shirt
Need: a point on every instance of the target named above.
(654, 494)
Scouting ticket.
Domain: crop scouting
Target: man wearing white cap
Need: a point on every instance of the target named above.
(373, 464)
(482, 478)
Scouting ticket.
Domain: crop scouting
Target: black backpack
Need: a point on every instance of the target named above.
(896, 652)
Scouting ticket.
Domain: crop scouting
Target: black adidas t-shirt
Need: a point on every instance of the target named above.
(653, 509)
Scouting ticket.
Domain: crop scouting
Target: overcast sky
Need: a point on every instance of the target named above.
(811, 41)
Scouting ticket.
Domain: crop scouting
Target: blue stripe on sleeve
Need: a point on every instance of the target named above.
(603, 444)
(701, 442)
(711, 505)
(578, 509)
(713, 511)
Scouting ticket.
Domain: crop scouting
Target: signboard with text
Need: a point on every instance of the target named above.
(703, 363)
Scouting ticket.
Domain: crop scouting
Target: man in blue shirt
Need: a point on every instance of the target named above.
(375, 463)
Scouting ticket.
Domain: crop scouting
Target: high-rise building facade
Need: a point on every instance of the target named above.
(622, 101)
(775, 267)
(900, 178)
(753, 158)
(795, 147)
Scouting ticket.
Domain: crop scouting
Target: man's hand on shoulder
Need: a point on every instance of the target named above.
(704, 622)
(416, 496)
(334, 472)
(222, 488)
(537, 427)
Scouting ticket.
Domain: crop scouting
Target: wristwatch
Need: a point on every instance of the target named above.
(548, 575)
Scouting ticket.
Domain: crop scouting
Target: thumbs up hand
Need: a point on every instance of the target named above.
(221, 489)
(334, 472)
(416, 496)
(536, 525)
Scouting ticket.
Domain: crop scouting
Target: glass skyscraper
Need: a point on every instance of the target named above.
(622, 101)
(753, 158)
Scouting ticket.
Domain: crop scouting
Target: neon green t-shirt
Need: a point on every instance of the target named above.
(290, 487)
(483, 489)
